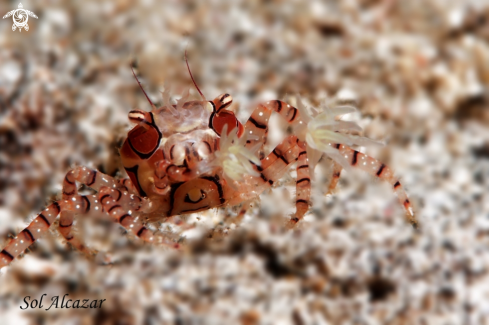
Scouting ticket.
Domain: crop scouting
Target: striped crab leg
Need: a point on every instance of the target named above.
(380, 170)
(257, 124)
(125, 184)
(276, 164)
(91, 178)
(288, 112)
(71, 204)
(303, 186)
(78, 204)
(126, 209)
(335, 177)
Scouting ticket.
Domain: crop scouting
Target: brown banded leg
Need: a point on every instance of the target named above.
(380, 170)
(303, 187)
(38, 226)
(275, 165)
(257, 124)
(86, 176)
(91, 178)
(125, 209)
(257, 127)
(287, 111)
(335, 177)
(87, 204)
(126, 185)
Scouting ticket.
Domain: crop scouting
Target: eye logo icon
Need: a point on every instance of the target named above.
(20, 17)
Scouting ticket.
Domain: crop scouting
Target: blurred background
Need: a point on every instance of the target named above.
(419, 73)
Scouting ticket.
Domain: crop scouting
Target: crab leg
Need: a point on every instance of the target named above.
(71, 205)
(93, 179)
(380, 170)
(126, 209)
(127, 185)
(257, 124)
(288, 112)
(78, 204)
(276, 164)
(303, 187)
(335, 177)
(88, 177)
(66, 219)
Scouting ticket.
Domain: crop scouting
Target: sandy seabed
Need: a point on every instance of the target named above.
(419, 72)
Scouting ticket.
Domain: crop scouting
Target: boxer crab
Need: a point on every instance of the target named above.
(195, 156)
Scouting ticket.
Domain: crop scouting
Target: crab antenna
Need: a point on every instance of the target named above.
(191, 76)
(140, 86)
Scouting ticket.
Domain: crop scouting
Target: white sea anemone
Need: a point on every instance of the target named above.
(322, 129)
(234, 157)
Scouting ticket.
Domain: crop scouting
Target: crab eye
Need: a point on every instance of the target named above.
(217, 122)
(144, 139)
